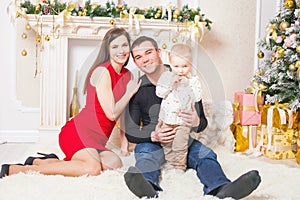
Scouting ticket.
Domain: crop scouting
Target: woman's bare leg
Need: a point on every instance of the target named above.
(110, 160)
(85, 161)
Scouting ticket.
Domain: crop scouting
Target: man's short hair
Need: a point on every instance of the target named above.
(142, 39)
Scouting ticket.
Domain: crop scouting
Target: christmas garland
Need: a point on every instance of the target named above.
(171, 13)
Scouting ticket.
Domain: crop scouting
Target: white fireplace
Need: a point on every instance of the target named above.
(59, 55)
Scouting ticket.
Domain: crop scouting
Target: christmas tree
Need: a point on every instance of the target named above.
(278, 74)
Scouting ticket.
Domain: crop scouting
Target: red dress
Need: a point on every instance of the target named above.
(91, 128)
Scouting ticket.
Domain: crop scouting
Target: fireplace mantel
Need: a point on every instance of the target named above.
(54, 33)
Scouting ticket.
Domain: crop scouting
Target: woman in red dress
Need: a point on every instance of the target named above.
(109, 87)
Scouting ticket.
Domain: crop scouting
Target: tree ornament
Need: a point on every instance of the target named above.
(24, 36)
(164, 46)
(289, 4)
(47, 38)
(279, 52)
(292, 67)
(28, 27)
(260, 54)
(174, 40)
(298, 3)
(298, 49)
(284, 25)
(24, 52)
(38, 39)
(297, 65)
(112, 22)
(176, 11)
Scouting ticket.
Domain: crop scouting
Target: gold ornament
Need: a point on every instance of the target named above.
(175, 16)
(176, 11)
(279, 52)
(47, 38)
(24, 36)
(157, 15)
(289, 4)
(28, 27)
(164, 46)
(298, 49)
(174, 40)
(24, 52)
(297, 65)
(260, 54)
(112, 22)
(298, 3)
(292, 67)
(38, 39)
(284, 25)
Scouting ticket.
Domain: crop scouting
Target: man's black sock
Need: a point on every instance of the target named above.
(138, 185)
(241, 187)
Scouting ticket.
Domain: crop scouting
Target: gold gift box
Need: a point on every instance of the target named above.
(283, 143)
(241, 134)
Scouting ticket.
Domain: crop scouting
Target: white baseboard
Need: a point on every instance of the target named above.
(28, 136)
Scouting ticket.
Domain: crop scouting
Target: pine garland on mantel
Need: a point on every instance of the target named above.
(170, 13)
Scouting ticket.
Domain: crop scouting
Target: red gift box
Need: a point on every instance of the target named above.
(247, 109)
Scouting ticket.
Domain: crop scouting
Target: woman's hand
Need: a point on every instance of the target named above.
(162, 135)
(190, 117)
(133, 86)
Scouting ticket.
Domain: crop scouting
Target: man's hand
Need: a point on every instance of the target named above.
(162, 135)
(190, 117)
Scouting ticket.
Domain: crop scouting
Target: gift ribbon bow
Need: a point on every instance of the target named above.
(281, 110)
(257, 89)
(271, 32)
(132, 17)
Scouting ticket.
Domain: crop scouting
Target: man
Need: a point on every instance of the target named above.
(142, 128)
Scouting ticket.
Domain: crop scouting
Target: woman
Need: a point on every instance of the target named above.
(109, 87)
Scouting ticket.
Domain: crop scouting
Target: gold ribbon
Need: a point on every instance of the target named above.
(257, 89)
(235, 106)
(271, 31)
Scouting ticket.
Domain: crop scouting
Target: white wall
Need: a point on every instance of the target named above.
(230, 47)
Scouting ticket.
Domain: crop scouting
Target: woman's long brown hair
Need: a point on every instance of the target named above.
(104, 54)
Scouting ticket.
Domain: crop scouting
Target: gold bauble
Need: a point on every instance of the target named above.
(298, 3)
(175, 16)
(24, 36)
(260, 54)
(157, 15)
(47, 38)
(297, 65)
(174, 40)
(176, 11)
(292, 67)
(38, 39)
(28, 27)
(284, 25)
(164, 46)
(79, 13)
(289, 4)
(24, 52)
(298, 49)
(112, 21)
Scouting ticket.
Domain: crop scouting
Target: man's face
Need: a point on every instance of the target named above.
(146, 57)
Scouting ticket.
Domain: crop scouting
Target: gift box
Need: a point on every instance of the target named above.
(278, 133)
(245, 137)
(247, 108)
(298, 145)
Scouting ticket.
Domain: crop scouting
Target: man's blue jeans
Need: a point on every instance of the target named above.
(150, 156)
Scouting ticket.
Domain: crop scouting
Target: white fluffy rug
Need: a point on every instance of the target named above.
(280, 180)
